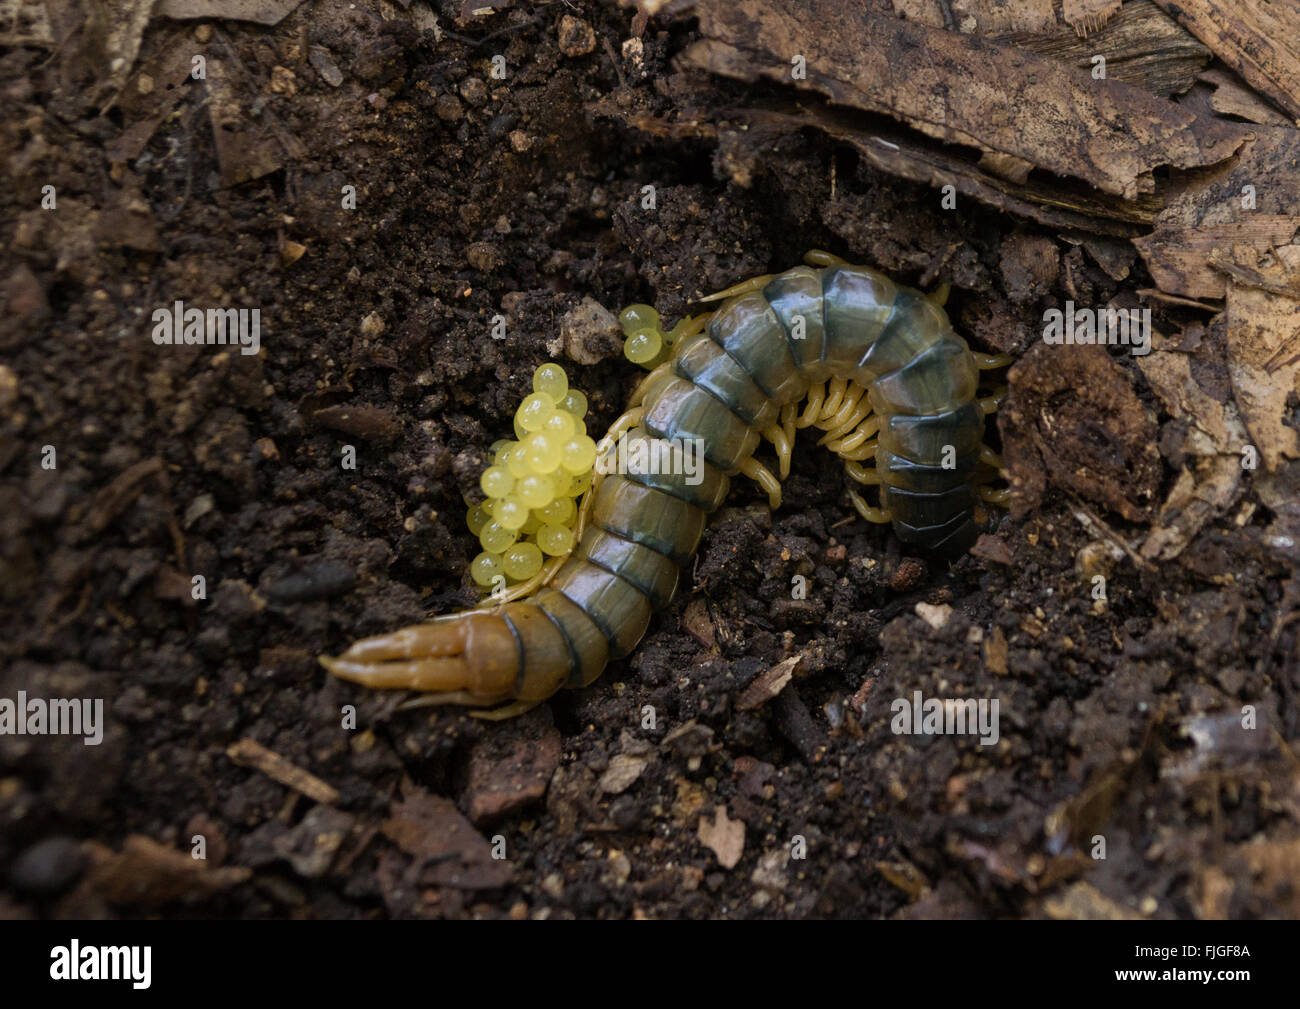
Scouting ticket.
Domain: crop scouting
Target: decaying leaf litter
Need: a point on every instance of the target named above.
(523, 196)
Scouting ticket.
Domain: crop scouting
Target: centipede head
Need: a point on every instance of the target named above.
(463, 658)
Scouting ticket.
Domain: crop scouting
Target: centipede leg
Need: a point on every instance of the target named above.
(866, 450)
(505, 711)
(851, 414)
(789, 414)
(878, 516)
(834, 397)
(783, 445)
(689, 327)
(816, 396)
(862, 474)
(989, 404)
(939, 296)
(744, 287)
(647, 383)
(1000, 496)
(990, 458)
(761, 475)
(987, 362)
(820, 257)
(544, 575)
(864, 431)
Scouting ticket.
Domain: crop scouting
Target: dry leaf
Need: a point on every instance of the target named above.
(725, 838)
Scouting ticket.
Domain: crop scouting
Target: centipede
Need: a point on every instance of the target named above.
(875, 366)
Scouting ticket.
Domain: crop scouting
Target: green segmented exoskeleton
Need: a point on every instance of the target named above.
(886, 377)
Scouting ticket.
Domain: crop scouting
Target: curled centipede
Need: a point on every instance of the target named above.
(885, 378)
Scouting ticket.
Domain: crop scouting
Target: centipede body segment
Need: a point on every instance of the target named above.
(886, 379)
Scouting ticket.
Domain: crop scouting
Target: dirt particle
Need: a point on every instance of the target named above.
(591, 333)
(48, 867)
(324, 64)
(474, 91)
(575, 36)
(448, 109)
(283, 81)
(483, 256)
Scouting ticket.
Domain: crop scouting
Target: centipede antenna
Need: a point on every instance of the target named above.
(987, 362)
(939, 296)
(820, 257)
(744, 287)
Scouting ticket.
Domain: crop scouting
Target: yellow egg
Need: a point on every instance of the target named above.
(511, 512)
(551, 380)
(495, 537)
(535, 490)
(534, 410)
(476, 518)
(544, 452)
(559, 512)
(574, 402)
(522, 561)
(531, 524)
(560, 423)
(636, 317)
(643, 346)
(486, 567)
(555, 540)
(517, 461)
(581, 484)
(578, 454)
(496, 482)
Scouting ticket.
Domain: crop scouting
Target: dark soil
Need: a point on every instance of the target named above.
(477, 197)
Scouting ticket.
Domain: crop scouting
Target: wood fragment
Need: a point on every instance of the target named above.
(1088, 15)
(1105, 133)
(1179, 258)
(1260, 41)
(251, 753)
(1143, 46)
(768, 684)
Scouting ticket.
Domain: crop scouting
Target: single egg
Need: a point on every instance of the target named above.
(555, 540)
(522, 561)
(550, 380)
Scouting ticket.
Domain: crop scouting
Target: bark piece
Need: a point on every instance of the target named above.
(1009, 101)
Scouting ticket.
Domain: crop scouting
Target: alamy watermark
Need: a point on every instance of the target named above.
(62, 716)
(946, 716)
(1116, 327)
(178, 325)
(75, 962)
(652, 456)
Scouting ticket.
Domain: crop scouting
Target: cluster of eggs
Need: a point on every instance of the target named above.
(645, 343)
(533, 483)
